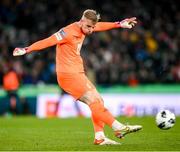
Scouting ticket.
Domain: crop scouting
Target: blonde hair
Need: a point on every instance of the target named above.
(91, 15)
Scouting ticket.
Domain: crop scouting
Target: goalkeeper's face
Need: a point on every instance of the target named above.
(87, 26)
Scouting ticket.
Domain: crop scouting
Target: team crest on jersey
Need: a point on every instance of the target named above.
(60, 34)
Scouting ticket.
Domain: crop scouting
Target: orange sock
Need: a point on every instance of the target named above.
(100, 113)
(98, 125)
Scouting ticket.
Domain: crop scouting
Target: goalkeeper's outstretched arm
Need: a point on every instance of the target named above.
(39, 45)
(126, 23)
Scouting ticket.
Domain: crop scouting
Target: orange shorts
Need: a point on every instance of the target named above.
(76, 84)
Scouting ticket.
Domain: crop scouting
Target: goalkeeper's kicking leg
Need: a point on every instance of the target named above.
(82, 89)
(101, 115)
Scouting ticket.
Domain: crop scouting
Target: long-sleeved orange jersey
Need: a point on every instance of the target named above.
(68, 43)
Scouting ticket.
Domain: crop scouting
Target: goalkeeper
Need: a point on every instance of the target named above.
(70, 71)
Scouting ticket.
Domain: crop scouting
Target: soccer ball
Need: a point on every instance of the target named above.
(165, 119)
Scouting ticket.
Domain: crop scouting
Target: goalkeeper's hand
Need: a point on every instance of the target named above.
(127, 23)
(20, 51)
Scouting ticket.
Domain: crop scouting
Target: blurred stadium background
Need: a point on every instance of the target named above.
(136, 71)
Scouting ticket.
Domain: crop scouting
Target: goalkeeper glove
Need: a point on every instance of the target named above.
(127, 23)
(20, 51)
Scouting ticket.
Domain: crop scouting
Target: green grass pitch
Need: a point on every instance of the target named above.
(76, 134)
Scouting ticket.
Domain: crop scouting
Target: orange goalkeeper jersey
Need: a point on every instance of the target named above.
(69, 41)
(68, 59)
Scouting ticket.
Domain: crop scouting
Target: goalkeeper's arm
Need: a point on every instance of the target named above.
(42, 44)
(126, 23)
(39, 45)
